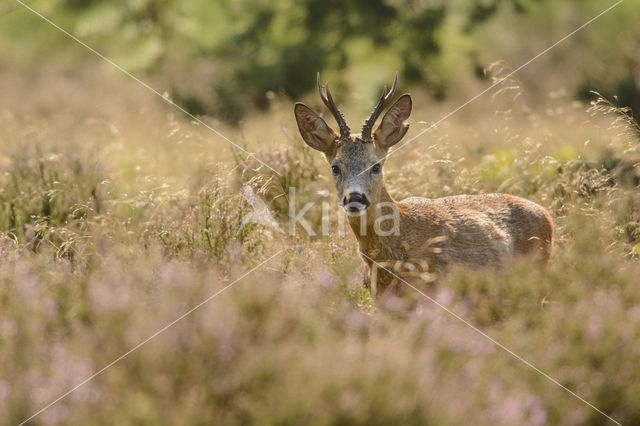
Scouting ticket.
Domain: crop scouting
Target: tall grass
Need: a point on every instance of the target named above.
(98, 255)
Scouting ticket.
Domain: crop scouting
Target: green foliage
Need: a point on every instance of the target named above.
(279, 42)
(245, 51)
(47, 199)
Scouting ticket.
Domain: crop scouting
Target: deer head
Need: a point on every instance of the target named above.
(356, 159)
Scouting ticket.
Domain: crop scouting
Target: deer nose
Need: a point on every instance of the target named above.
(356, 197)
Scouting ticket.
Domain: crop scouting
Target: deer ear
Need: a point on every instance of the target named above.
(314, 130)
(392, 128)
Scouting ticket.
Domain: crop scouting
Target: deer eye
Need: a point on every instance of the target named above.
(336, 170)
(376, 168)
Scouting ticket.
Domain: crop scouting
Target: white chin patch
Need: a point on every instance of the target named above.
(355, 209)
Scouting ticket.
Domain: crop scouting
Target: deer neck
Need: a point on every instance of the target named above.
(364, 227)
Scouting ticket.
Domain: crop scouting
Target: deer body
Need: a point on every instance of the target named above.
(473, 230)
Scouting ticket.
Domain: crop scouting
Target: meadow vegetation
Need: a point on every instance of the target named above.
(102, 246)
(118, 215)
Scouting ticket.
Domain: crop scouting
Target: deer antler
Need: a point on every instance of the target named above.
(328, 101)
(382, 104)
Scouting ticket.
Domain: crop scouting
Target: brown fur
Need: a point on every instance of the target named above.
(471, 230)
(474, 230)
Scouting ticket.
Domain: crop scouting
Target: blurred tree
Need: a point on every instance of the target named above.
(251, 48)
(285, 43)
(262, 46)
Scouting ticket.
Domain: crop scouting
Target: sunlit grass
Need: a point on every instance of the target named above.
(109, 235)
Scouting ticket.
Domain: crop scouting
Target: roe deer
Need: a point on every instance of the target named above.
(474, 230)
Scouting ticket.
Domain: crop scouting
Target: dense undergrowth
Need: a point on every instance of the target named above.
(97, 256)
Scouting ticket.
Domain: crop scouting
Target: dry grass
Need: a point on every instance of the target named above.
(118, 216)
